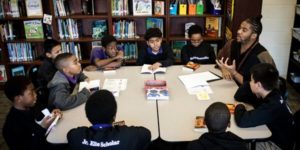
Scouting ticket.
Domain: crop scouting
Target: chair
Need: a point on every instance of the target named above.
(41, 90)
(282, 88)
(297, 130)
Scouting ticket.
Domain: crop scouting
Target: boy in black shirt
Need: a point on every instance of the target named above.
(197, 50)
(217, 118)
(269, 107)
(101, 110)
(155, 53)
(20, 131)
(47, 69)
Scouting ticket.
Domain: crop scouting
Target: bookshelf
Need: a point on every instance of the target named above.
(83, 13)
(293, 75)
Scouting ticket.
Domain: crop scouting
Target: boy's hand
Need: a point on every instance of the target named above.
(155, 66)
(57, 112)
(46, 122)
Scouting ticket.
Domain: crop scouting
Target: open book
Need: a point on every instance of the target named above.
(156, 90)
(146, 70)
(115, 85)
(92, 85)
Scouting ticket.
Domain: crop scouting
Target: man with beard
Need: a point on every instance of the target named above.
(238, 56)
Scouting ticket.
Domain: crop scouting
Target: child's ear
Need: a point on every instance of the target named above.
(48, 55)
(17, 99)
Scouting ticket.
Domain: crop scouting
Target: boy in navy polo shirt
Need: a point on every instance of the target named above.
(155, 52)
(101, 109)
(109, 55)
(64, 81)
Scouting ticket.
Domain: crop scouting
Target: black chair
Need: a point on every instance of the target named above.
(282, 88)
(41, 90)
(297, 130)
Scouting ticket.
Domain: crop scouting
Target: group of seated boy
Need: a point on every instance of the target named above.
(243, 60)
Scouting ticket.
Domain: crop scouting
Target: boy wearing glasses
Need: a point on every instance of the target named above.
(109, 55)
(197, 50)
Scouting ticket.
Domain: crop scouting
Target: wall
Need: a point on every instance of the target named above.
(278, 20)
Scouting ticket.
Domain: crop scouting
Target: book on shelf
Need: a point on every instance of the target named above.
(182, 7)
(200, 125)
(213, 26)
(34, 8)
(68, 28)
(93, 85)
(142, 7)
(33, 29)
(199, 7)
(8, 31)
(123, 29)
(3, 75)
(18, 71)
(88, 7)
(156, 90)
(99, 28)
(187, 27)
(146, 70)
(119, 7)
(159, 8)
(1, 10)
(155, 23)
(177, 46)
(72, 47)
(14, 8)
(130, 50)
(21, 52)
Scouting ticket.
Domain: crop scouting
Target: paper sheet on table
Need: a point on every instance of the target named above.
(195, 90)
(197, 79)
(115, 85)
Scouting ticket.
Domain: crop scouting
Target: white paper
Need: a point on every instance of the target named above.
(197, 79)
(52, 124)
(115, 85)
(89, 85)
(195, 90)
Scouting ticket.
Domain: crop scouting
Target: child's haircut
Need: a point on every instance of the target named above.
(217, 117)
(266, 74)
(49, 44)
(195, 29)
(107, 39)
(60, 60)
(16, 86)
(152, 32)
(101, 107)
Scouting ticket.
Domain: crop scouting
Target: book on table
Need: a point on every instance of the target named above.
(200, 125)
(156, 90)
(146, 70)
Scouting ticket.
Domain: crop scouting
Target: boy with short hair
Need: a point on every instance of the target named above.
(47, 69)
(269, 107)
(20, 131)
(155, 52)
(101, 109)
(64, 81)
(109, 55)
(197, 50)
(217, 118)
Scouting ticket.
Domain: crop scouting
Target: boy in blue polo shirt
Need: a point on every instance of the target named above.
(155, 52)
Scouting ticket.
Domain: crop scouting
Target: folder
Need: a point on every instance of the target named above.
(173, 9)
(199, 9)
(192, 9)
(182, 9)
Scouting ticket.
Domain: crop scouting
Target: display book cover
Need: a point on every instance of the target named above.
(200, 124)
(156, 90)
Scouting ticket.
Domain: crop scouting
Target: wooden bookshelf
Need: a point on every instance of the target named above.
(173, 28)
